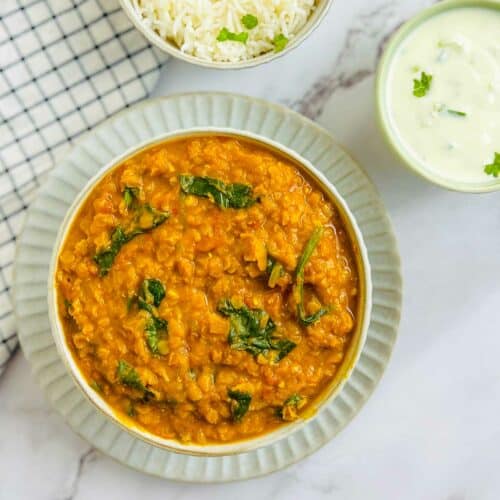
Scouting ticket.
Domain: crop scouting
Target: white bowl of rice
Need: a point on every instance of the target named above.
(227, 34)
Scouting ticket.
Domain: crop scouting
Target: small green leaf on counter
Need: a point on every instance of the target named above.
(225, 35)
(493, 168)
(249, 21)
(239, 404)
(422, 86)
(280, 42)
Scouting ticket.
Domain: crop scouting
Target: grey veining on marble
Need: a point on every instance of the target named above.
(431, 430)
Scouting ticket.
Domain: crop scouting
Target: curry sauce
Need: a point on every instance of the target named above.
(208, 290)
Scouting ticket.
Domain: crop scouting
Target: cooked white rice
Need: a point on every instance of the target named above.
(193, 25)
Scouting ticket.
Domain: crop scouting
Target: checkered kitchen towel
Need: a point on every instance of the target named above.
(65, 65)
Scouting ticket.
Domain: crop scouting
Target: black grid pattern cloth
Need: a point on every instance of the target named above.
(65, 65)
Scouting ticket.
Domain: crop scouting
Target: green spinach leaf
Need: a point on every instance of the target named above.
(146, 219)
(289, 409)
(131, 197)
(251, 330)
(299, 272)
(151, 293)
(283, 347)
(155, 329)
(128, 376)
(274, 270)
(224, 195)
(105, 258)
(240, 403)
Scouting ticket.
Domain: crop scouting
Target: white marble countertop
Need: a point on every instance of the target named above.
(431, 430)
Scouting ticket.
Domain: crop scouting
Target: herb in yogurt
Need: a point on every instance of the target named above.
(493, 168)
(454, 112)
(422, 86)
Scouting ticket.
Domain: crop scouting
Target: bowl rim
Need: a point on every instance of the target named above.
(329, 393)
(315, 18)
(381, 83)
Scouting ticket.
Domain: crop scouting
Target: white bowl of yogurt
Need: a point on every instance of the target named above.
(438, 94)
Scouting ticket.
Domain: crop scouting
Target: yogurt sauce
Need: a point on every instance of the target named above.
(460, 49)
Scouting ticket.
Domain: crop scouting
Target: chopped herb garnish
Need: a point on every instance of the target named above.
(280, 42)
(240, 402)
(422, 86)
(456, 113)
(251, 330)
(304, 259)
(274, 270)
(290, 407)
(128, 376)
(249, 21)
(130, 196)
(225, 35)
(146, 219)
(224, 195)
(493, 168)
